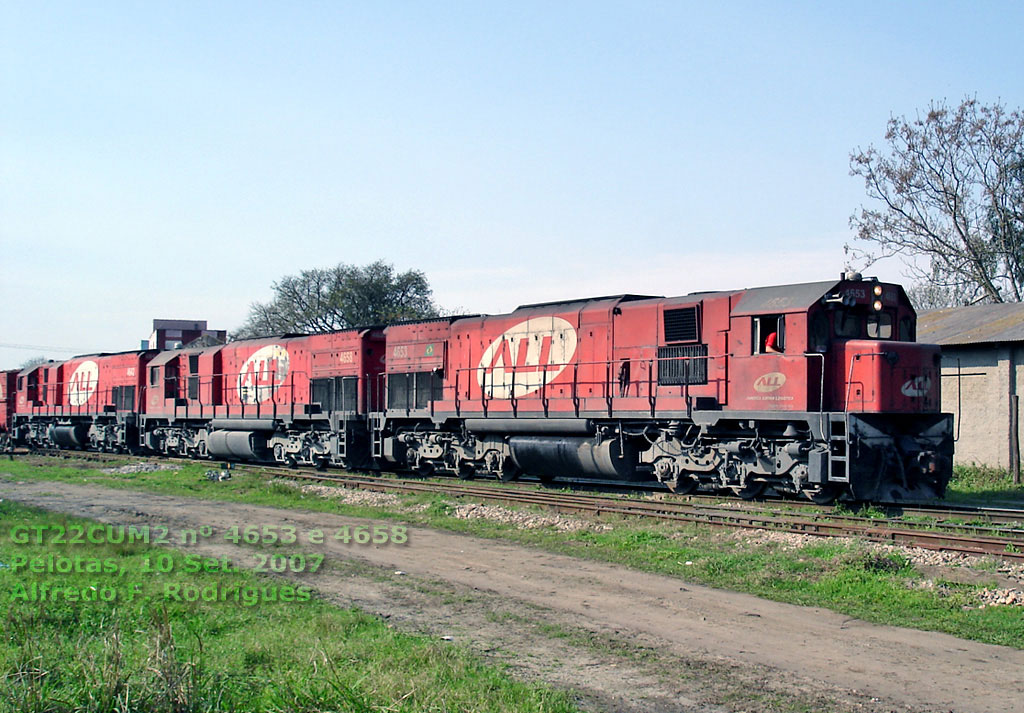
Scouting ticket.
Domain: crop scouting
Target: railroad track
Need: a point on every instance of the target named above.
(999, 535)
(1010, 548)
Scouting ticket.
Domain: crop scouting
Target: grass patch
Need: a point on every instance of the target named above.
(983, 484)
(141, 652)
(847, 578)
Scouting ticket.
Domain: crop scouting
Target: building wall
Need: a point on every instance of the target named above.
(989, 374)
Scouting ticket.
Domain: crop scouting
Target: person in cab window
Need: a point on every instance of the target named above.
(771, 344)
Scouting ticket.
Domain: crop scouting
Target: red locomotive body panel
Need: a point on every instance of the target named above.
(184, 383)
(764, 380)
(623, 356)
(896, 377)
(104, 383)
(8, 398)
(604, 357)
(39, 388)
(266, 378)
(83, 386)
(353, 361)
(536, 360)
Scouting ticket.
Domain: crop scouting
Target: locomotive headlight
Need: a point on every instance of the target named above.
(877, 304)
(878, 290)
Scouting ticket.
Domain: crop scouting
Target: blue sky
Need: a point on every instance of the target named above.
(171, 160)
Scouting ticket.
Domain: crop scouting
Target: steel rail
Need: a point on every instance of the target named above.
(597, 505)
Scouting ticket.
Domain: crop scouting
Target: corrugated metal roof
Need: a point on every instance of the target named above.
(785, 298)
(977, 324)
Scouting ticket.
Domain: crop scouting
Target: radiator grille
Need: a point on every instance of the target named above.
(340, 393)
(681, 325)
(686, 364)
(123, 398)
(413, 391)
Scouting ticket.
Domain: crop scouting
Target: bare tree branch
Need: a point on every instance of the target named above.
(950, 189)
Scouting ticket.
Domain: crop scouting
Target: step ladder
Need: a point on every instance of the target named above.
(839, 448)
(377, 421)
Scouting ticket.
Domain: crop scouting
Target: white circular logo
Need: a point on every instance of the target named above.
(917, 387)
(83, 382)
(262, 374)
(527, 356)
(772, 381)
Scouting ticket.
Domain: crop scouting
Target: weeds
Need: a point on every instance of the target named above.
(983, 483)
(882, 563)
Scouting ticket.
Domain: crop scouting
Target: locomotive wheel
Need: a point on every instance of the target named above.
(753, 489)
(682, 484)
(509, 472)
(467, 471)
(825, 495)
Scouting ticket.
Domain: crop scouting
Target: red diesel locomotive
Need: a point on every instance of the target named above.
(816, 389)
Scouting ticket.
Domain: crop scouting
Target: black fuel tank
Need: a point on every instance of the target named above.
(566, 456)
(76, 436)
(243, 445)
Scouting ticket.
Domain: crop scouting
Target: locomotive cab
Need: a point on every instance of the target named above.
(865, 331)
(827, 395)
(888, 439)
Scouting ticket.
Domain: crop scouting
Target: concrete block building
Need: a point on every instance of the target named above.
(982, 378)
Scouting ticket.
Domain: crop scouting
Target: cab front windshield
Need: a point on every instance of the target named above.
(853, 324)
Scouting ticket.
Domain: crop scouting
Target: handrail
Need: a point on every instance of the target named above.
(223, 400)
(487, 382)
(849, 378)
(821, 392)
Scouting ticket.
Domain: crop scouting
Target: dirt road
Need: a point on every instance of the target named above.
(652, 642)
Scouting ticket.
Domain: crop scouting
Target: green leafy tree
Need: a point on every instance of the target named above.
(948, 192)
(340, 297)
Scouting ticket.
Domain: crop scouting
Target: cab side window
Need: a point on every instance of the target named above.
(769, 334)
(847, 324)
(171, 381)
(818, 335)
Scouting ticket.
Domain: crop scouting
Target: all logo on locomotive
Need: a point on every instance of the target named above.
(816, 389)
